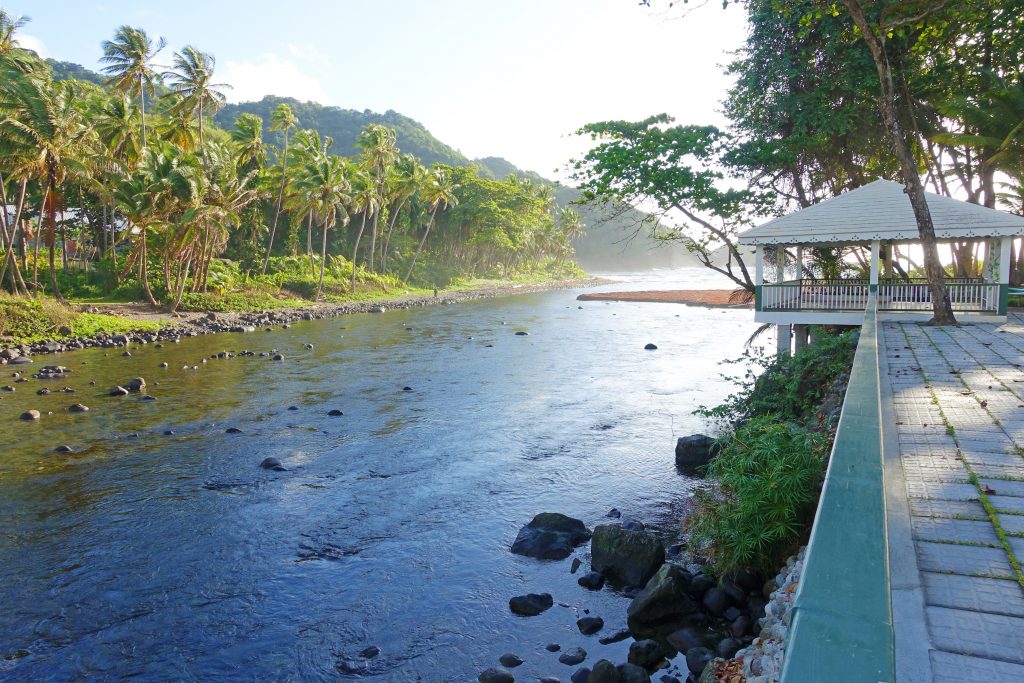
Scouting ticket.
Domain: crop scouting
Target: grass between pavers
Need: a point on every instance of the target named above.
(990, 510)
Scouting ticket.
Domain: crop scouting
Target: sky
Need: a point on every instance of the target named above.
(512, 79)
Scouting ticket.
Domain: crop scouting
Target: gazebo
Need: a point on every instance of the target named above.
(877, 216)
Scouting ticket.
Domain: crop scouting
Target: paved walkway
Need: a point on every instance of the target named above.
(958, 408)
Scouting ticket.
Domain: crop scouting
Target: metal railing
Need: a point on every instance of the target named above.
(841, 623)
(966, 294)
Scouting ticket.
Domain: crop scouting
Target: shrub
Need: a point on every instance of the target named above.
(769, 473)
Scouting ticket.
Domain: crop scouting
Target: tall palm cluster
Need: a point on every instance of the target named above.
(137, 171)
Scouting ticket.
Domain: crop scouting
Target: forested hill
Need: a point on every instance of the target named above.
(606, 246)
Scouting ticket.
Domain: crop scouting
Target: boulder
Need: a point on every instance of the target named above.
(592, 581)
(664, 600)
(137, 384)
(693, 452)
(646, 654)
(650, 347)
(728, 647)
(272, 464)
(510, 660)
(550, 536)
(604, 672)
(588, 626)
(697, 658)
(573, 657)
(495, 676)
(78, 408)
(716, 601)
(627, 557)
(631, 673)
(580, 675)
(30, 415)
(531, 604)
(685, 639)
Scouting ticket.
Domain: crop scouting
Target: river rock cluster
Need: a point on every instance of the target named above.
(674, 610)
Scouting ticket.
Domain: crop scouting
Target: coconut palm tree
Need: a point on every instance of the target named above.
(378, 156)
(324, 185)
(128, 58)
(366, 200)
(439, 191)
(250, 150)
(409, 175)
(192, 79)
(284, 120)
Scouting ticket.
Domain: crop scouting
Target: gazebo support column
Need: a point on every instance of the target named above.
(758, 275)
(1004, 273)
(873, 281)
(801, 337)
(783, 330)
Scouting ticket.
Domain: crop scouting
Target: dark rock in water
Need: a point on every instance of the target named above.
(700, 585)
(550, 536)
(137, 384)
(370, 652)
(674, 549)
(645, 653)
(127, 354)
(309, 347)
(633, 525)
(588, 626)
(78, 408)
(293, 407)
(531, 604)
(164, 364)
(510, 660)
(232, 430)
(650, 347)
(628, 557)
(333, 413)
(631, 673)
(149, 398)
(272, 464)
(756, 605)
(277, 356)
(716, 601)
(697, 658)
(739, 628)
(576, 562)
(592, 581)
(663, 600)
(614, 513)
(406, 388)
(30, 415)
(736, 595)
(496, 676)
(728, 647)
(168, 432)
(63, 449)
(549, 679)
(42, 392)
(616, 637)
(580, 676)
(573, 657)
(604, 672)
(522, 334)
(552, 647)
(693, 452)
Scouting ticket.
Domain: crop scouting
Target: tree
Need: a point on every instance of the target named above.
(379, 155)
(438, 191)
(191, 79)
(128, 57)
(675, 170)
(284, 120)
(325, 189)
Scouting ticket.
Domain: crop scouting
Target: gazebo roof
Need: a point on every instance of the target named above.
(881, 211)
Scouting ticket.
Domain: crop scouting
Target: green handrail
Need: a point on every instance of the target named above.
(841, 623)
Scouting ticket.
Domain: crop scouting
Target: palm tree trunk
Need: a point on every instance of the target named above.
(142, 112)
(144, 271)
(415, 256)
(387, 239)
(39, 232)
(323, 262)
(373, 239)
(53, 274)
(309, 243)
(277, 207)
(181, 287)
(355, 252)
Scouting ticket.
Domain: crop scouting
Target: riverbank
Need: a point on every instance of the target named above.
(710, 298)
(117, 324)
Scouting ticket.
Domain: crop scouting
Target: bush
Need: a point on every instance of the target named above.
(769, 474)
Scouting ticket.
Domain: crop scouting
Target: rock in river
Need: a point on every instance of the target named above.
(651, 347)
(510, 660)
(272, 464)
(573, 657)
(118, 391)
(663, 599)
(592, 581)
(550, 536)
(629, 557)
(531, 604)
(693, 452)
(496, 676)
(137, 384)
(78, 408)
(30, 415)
(588, 626)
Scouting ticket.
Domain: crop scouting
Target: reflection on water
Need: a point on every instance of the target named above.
(174, 556)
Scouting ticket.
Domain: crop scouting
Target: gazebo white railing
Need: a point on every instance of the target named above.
(913, 294)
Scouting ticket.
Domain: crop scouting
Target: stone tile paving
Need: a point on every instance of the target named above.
(958, 401)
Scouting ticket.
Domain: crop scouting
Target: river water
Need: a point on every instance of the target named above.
(174, 556)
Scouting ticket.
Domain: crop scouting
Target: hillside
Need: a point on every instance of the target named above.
(608, 245)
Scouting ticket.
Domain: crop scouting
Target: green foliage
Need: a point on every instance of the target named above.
(234, 302)
(789, 387)
(769, 473)
(27, 320)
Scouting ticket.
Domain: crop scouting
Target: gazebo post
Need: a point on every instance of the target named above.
(758, 275)
(873, 273)
(800, 332)
(782, 341)
(1004, 274)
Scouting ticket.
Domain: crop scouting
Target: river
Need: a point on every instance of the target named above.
(154, 555)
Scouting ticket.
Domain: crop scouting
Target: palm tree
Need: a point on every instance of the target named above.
(439, 190)
(250, 150)
(365, 199)
(324, 185)
(128, 58)
(406, 181)
(284, 120)
(379, 154)
(192, 78)
(8, 26)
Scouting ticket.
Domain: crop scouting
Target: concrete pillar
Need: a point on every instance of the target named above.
(782, 339)
(801, 337)
(873, 276)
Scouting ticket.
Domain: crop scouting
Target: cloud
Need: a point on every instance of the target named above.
(269, 75)
(309, 53)
(30, 42)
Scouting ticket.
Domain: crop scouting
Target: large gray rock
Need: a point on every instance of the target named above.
(550, 536)
(495, 676)
(627, 557)
(663, 601)
(631, 673)
(694, 452)
(604, 672)
(531, 604)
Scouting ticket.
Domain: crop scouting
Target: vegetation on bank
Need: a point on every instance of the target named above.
(128, 190)
(28, 320)
(772, 457)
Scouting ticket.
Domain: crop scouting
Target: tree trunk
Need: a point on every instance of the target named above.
(39, 233)
(53, 274)
(942, 310)
(144, 272)
(181, 288)
(419, 248)
(277, 207)
(323, 263)
(355, 252)
(387, 239)
(373, 239)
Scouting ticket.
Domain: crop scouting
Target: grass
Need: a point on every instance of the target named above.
(30, 320)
